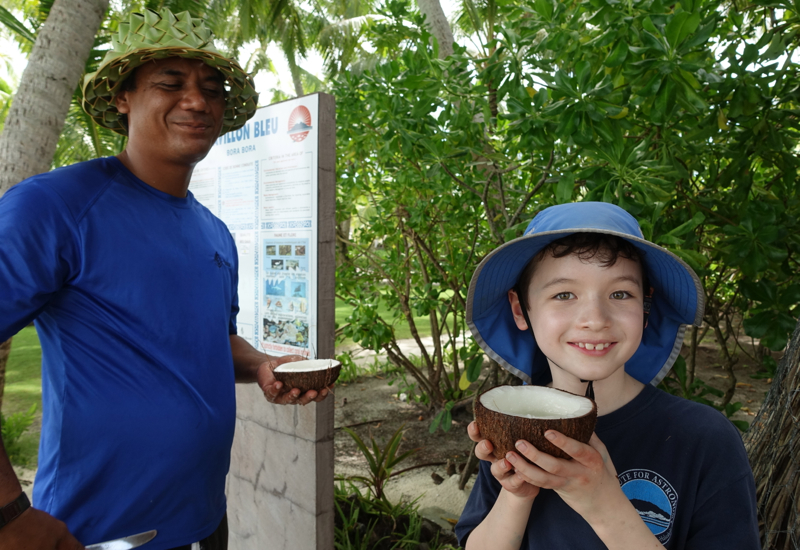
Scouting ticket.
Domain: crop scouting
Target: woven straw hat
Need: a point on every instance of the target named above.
(158, 35)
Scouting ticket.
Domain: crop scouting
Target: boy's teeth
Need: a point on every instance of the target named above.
(592, 347)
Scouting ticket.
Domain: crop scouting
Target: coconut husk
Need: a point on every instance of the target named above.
(309, 380)
(504, 430)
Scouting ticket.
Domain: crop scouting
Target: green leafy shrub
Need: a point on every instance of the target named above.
(368, 520)
(12, 427)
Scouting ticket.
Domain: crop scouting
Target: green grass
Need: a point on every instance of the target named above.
(402, 331)
(24, 373)
(24, 388)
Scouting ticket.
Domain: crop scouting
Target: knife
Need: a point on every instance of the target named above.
(125, 543)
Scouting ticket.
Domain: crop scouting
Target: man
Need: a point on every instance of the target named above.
(133, 287)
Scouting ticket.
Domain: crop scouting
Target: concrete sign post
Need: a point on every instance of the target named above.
(273, 183)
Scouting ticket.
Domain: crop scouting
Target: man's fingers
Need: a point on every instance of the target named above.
(70, 543)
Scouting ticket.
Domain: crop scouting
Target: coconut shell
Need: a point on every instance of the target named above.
(322, 377)
(504, 430)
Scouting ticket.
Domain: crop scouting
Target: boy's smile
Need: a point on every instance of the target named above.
(587, 319)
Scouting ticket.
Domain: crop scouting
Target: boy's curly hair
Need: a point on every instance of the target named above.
(599, 247)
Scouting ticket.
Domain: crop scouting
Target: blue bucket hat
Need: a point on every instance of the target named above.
(678, 299)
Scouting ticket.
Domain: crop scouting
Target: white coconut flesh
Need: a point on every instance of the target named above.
(310, 365)
(535, 402)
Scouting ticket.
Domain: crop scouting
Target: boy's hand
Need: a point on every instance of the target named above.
(501, 469)
(588, 483)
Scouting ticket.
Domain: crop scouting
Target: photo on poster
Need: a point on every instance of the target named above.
(298, 289)
(285, 331)
(284, 254)
(275, 287)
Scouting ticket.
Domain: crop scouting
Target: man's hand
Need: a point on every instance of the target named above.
(37, 530)
(502, 469)
(273, 389)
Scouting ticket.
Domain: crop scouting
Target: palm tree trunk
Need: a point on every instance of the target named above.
(438, 25)
(40, 106)
(773, 445)
(295, 70)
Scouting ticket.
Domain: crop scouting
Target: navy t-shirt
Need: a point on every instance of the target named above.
(134, 295)
(682, 465)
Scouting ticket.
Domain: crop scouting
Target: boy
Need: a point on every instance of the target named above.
(582, 302)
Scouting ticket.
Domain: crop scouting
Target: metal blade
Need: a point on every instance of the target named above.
(125, 543)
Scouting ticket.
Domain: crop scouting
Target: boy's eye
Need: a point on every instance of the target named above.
(620, 295)
(563, 296)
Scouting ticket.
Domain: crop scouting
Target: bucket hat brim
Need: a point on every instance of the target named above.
(158, 35)
(678, 301)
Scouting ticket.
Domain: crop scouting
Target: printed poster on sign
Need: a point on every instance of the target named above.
(261, 180)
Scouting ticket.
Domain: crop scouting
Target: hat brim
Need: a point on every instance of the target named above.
(100, 88)
(678, 301)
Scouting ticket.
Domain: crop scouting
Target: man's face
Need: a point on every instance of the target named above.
(175, 110)
(587, 319)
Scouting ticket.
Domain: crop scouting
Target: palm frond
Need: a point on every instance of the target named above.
(16, 26)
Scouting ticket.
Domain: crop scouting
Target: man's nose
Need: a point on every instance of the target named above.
(194, 99)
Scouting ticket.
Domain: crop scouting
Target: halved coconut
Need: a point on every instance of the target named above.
(506, 414)
(313, 374)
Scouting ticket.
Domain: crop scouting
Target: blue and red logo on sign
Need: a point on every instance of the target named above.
(299, 123)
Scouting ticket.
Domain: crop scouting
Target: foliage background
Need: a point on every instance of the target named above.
(683, 114)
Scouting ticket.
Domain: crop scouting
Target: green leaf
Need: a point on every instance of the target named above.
(584, 134)
(696, 260)
(373, 466)
(568, 122)
(566, 185)
(435, 423)
(617, 55)
(544, 8)
(742, 425)
(686, 227)
(653, 43)
(583, 72)
(776, 48)
(701, 36)
(564, 84)
(447, 420)
(682, 25)
(16, 26)
(664, 102)
(474, 367)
